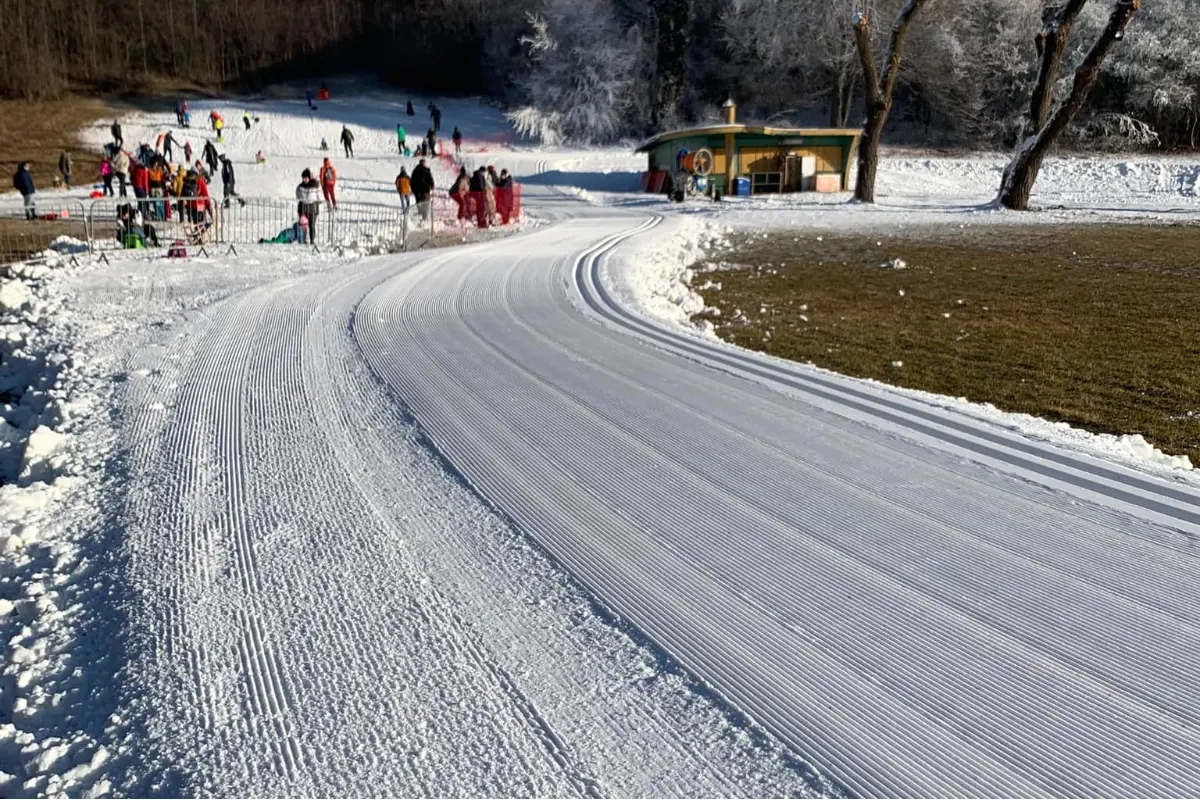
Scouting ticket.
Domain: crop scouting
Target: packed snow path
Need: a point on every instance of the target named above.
(919, 605)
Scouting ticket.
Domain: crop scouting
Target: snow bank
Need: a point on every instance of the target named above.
(653, 274)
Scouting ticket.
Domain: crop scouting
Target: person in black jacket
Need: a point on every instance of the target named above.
(210, 157)
(411, 111)
(227, 181)
(23, 183)
(422, 185)
(116, 134)
(348, 142)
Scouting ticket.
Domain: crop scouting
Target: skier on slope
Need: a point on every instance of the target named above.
(348, 142)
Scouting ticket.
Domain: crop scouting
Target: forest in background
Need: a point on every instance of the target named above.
(601, 70)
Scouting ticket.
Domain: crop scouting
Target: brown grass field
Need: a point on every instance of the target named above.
(1094, 325)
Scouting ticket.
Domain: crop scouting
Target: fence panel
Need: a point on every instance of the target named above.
(26, 232)
(235, 221)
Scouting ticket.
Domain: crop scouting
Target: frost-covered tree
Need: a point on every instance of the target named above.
(582, 76)
(880, 86)
(1045, 125)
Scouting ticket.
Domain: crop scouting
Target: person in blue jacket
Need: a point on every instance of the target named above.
(23, 183)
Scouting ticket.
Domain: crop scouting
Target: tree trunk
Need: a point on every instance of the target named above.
(868, 159)
(673, 19)
(879, 93)
(1051, 43)
(1022, 171)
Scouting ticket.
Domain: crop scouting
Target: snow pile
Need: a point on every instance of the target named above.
(44, 574)
(653, 274)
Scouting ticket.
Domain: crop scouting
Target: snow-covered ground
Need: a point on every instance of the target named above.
(295, 523)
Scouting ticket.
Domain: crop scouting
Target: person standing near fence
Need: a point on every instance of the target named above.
(404, 189)
(422, 186)
(23, 183)
(64, 166)
(329, 184)
(459, 193)
(106, 175)
(308, 197)
(347, 142)
(139, 176)
(504, 196)
(227, 181)
(159, 172)
(120, 165)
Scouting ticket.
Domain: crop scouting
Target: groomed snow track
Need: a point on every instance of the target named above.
(918, 604)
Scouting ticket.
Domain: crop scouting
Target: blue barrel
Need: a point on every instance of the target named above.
(741, 186)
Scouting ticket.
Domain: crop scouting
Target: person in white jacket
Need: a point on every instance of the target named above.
(308, 205)
(120, 165)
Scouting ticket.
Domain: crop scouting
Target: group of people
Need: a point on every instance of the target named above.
(483, 195)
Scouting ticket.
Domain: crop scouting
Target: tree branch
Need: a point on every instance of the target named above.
(891, 68)
(1051, 42)
(862, 38)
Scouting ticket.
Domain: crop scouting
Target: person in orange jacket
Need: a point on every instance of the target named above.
(328, 177)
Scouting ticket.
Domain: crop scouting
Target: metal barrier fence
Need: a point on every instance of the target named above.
(22, 237)
(207, 221)
(235, 221)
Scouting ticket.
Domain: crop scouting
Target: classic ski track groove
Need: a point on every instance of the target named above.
(1160, 699)
(917, 603)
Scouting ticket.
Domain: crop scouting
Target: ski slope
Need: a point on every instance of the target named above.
(461, 522)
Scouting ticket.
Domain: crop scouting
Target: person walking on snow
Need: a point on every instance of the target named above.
(329, 183)
(410, 110)
(210, 157)
(422, 185)
(187, 152)
(115, 130)
(64, 166)
(401, 138)
(227, 181)
(169, 142)
(246, 119)
(431, 138)
(347, 142)
(456, 137)
(404, 188)
(436, 113)
(23, 183)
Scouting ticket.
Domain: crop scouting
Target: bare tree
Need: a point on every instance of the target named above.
(879, 92)
(1045, 128)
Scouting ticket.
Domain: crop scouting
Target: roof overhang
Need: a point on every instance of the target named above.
(755, 130)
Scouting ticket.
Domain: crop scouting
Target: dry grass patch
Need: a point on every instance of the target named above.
(1095, 326)
(39, 131)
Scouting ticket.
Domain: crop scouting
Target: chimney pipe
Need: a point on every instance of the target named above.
(730, 111)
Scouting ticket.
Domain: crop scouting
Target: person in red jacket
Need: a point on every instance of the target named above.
(139, 176)
(328, 183)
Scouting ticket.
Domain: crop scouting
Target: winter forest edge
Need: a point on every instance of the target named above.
(594, 71)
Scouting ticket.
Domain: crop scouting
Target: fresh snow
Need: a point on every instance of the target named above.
(500, 519)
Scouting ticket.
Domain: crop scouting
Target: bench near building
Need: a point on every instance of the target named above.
(756, 159)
